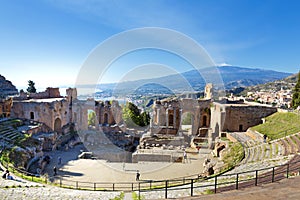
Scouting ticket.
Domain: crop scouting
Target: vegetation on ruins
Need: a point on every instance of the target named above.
(279, 125)
(31, 87)
(119, 197)
(135, 196)
(91, 118)
(18, 153)
(133, 117)
(296, 94)
(233, 155)
(187, 120)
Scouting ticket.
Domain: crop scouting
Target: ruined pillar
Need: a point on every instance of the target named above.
(167, 118)
(174, 117)
(158, 116)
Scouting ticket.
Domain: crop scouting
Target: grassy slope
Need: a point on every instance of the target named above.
(279, 124)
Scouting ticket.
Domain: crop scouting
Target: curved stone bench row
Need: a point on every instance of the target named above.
(277, 149)
(9, 134)
(258, 151)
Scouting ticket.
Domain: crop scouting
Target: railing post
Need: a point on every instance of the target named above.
(192, 186)
(183, 180)
(131, 186)
(94, 186)
(256, 177)
(287, 170)
(273, 174)
(166, 190)
(237, 182)
(139, 191)
(60, 182)
(77, 185)
(216, 182)
(113, 187)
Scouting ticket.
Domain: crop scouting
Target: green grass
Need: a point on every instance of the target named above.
(119, 197)
(234, 155)
(208, 191)
(135, 196)
(279, 125)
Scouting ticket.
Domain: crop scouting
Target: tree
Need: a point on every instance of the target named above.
(296, 94)
(91, 118)
(187, 119)
(31, 88)
(145, 118)
(132, 116)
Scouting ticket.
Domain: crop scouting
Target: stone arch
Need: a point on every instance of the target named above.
(187, 121)
(57, 125)
(91, 118)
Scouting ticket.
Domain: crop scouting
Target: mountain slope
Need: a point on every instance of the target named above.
(287, 83)
(193, 80)
(6, 87)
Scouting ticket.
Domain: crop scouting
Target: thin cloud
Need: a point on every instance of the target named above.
(124, 14)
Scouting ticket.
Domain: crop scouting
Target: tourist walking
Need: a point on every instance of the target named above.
(54, 170)
(137, 175)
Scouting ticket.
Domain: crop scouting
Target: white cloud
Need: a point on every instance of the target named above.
(224, 64)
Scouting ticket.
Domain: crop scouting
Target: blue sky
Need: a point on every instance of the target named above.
(48, 41)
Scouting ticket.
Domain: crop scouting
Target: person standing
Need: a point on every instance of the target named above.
(184, 156)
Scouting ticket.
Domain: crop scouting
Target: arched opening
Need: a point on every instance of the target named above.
(32, 115)
(240, 127)
(105, 118)
(219, 149)
(91, 118)
(204, 121)
(57, 125)
(171, 120)
(187, 122)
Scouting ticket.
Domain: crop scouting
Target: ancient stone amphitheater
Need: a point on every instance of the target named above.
(269, 170)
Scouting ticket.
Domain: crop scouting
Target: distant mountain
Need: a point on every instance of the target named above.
(232, 76)
(6, 88)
